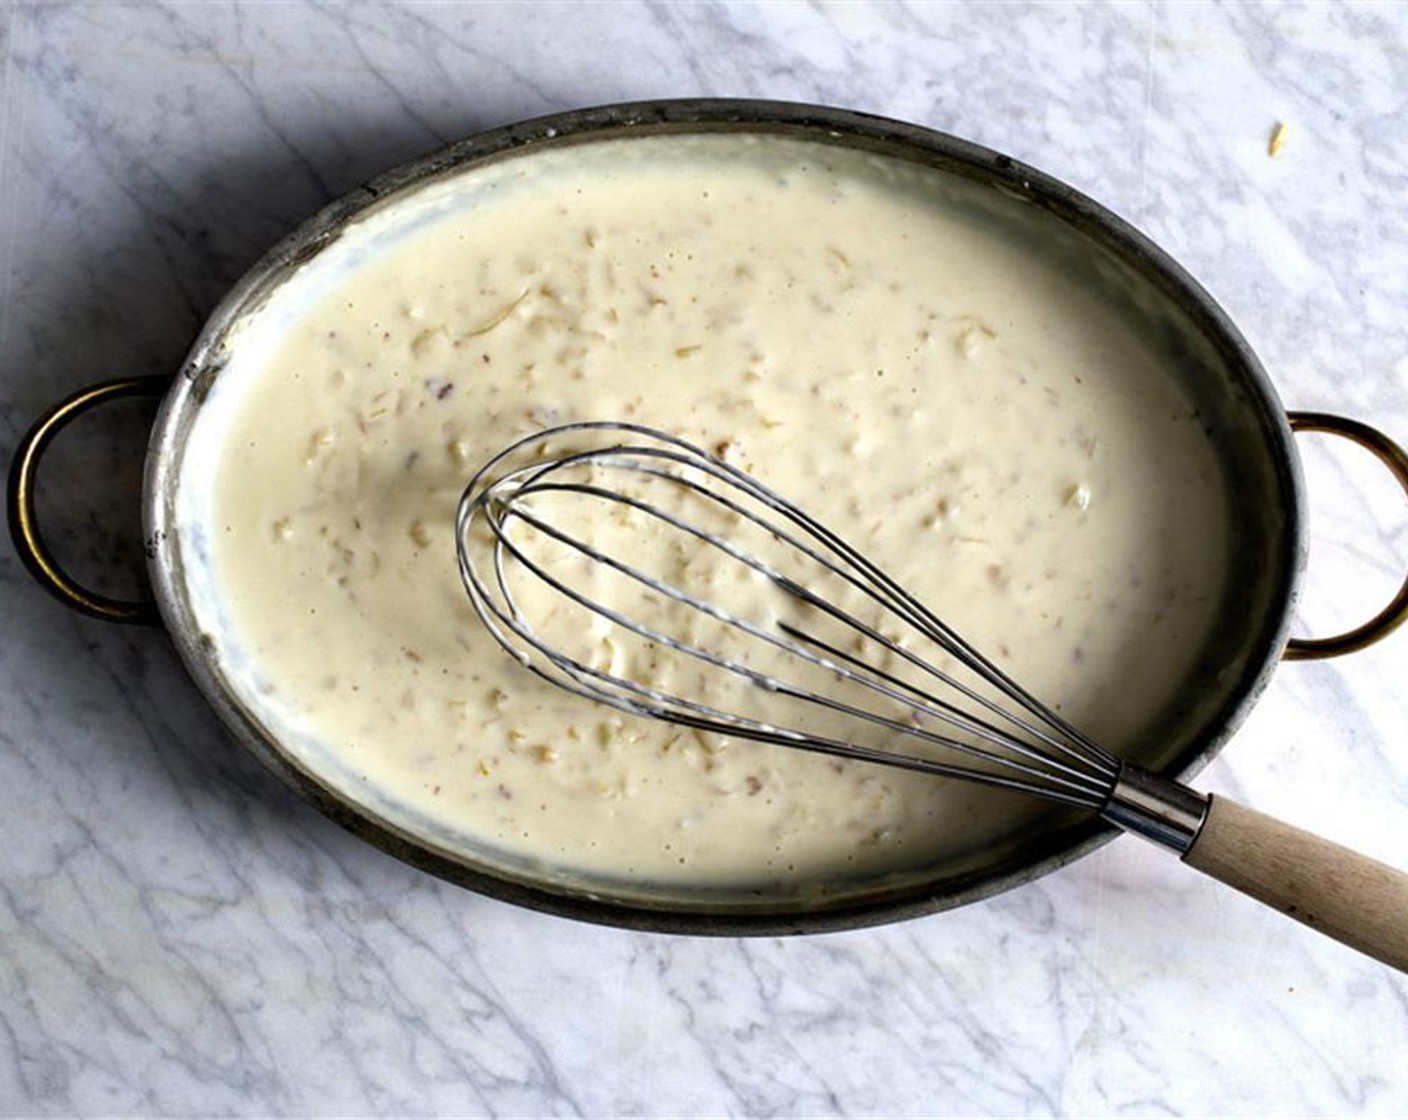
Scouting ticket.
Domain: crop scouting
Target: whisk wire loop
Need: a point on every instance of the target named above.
(1078, 772)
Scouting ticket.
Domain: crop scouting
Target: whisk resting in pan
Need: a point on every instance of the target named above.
(632, 568)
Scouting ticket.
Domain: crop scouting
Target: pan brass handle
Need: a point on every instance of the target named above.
(24, 527)
(1392, 616)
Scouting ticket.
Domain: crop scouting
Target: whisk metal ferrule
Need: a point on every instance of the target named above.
(1156, 808)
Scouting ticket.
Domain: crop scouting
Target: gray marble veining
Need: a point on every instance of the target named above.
(179, 935)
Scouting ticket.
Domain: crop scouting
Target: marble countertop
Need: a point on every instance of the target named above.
(179, 935)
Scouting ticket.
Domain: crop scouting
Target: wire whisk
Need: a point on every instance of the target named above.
(635, 569)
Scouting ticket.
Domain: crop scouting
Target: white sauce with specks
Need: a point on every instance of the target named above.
(856, 332)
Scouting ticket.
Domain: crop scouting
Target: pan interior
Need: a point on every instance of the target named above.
(1007, 408)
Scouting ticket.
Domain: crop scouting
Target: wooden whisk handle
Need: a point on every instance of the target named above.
(1358, 901)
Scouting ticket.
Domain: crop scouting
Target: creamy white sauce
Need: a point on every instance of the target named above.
(859, 333)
